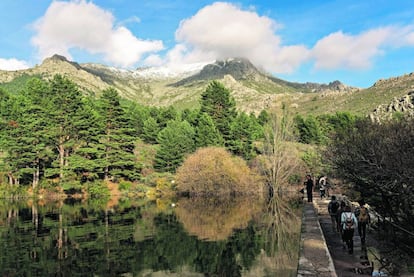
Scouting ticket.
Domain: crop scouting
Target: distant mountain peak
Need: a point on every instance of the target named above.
(238, 68)
(59, 59)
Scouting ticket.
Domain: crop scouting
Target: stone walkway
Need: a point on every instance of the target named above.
(322, 251)
(315, 259)
(346, 265)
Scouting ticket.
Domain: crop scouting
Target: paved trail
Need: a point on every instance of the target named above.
(345, 264)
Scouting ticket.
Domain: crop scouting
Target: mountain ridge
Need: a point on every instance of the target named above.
(252, 88)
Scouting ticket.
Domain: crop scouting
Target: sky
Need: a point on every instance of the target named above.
(354, 41)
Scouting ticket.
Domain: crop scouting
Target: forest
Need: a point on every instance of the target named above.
(54, 137)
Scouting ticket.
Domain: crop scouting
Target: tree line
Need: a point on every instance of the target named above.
(52, 132)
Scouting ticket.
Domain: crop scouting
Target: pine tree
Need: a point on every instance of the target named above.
(206, 133)
(217, 102)
(242, 134)
(117, 156)
(64, 104)
(175, 140)
(150, 130)
(84, 161)
(27, 145)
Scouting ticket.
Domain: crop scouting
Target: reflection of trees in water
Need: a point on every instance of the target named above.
(215, 219)
(282, 233)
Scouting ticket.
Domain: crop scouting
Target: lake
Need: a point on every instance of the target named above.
(138, 237)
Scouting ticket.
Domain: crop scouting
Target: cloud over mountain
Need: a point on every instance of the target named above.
(223, 30)
(216, 31)
(85, 26)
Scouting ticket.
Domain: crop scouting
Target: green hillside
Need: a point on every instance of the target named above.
(252, 89)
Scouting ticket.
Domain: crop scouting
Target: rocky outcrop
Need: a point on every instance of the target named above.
(335, 86)
(403, 106)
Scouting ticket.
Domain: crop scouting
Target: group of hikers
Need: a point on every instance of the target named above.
(323, 184)
(345, 219)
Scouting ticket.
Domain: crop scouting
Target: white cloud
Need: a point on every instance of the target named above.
(223, 30)
(217, 31)
(339, 50)
(83, 25)
(12, 64)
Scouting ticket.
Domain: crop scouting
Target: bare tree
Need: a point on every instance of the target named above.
(280, 158)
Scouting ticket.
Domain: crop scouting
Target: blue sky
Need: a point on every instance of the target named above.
(354, 41)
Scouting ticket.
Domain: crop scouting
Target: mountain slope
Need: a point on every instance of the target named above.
(252, 89)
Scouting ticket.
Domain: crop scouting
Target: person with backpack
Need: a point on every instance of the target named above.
(362, 214)
(349, 223)
(333, 208)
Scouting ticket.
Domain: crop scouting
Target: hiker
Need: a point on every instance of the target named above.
(333, 208)
(362, 214)
(338, 220)
(349, 224)
(322, 186)
(309, 187)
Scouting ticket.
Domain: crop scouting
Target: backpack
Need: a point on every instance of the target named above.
(363, 215)
(349, 222)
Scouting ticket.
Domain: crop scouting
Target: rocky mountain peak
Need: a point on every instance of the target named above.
(59, 59)
(238, 68)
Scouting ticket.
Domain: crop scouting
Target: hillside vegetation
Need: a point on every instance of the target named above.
(252, 89)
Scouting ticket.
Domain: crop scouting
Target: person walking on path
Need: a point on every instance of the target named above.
(333, 208)
(322, 186)
(349, 223)
(309, 187)
(364, 220)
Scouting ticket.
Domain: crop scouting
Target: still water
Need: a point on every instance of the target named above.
(187, 237)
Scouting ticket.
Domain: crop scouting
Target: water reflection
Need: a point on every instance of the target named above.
(282, 231)
(197, 238)
(216, 218)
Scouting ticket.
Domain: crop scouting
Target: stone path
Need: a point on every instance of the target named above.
(315, 259)
(346, 265)
(322, 251)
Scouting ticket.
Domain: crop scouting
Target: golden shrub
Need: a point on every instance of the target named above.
(214, 171)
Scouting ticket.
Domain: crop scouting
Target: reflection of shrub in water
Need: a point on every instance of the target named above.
(215, 219)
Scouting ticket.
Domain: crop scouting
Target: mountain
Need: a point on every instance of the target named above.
(181, 86)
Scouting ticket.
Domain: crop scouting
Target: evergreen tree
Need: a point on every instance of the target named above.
(175, 140)
(164, 115)
(191, 116)
(27, 143)
(150, 130)
(65, 102)
(217, 102)
(137, 115)
(84, 161)
(206, 133)
(309, 130)
(242, 134)
(118, 157)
